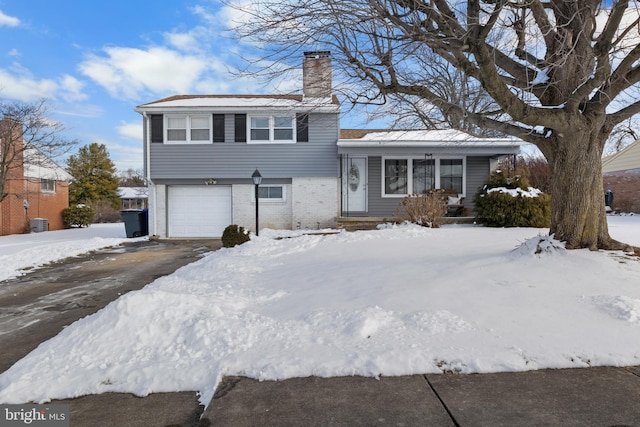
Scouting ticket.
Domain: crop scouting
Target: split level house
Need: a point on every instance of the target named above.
(37, 188)
(200, 152)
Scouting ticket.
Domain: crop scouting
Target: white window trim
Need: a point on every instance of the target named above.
(271, 129)
(43, 190)
(436, 173)
(283, 199)
(187, 118)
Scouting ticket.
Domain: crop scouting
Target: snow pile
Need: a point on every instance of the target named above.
(396, 301)
(540, 245)
(516, 192)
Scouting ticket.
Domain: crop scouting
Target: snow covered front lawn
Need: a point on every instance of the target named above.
(396, 301)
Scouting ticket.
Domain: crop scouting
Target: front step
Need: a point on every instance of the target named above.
(371, 223)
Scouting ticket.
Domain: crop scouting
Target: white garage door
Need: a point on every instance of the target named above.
(199, 211)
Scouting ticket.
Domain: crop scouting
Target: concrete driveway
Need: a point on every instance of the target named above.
(37, 306)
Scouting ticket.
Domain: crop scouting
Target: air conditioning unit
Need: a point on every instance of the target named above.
(38, 225)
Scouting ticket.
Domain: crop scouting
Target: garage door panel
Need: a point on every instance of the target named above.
(199, 211)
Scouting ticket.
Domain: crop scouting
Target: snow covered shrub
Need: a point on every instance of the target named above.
(423, 209)
(234, 235)
(508, 201)
(78, 216)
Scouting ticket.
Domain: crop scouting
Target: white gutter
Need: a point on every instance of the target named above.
(147, 142)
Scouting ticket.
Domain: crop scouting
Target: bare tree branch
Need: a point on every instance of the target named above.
(27, 136)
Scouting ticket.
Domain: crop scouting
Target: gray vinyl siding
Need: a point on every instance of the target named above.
(379, 206)
(476, 172)
(316, 158)
(229, 128)
(478, 169)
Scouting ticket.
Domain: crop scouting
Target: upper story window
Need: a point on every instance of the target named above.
(47, 185)
(184, 129)
(271, 129)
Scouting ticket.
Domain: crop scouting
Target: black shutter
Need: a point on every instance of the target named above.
(157, 131)
(302, 127)
(241, 128)
(218, 128)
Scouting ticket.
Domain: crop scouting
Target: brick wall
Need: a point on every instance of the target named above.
(47, 204)
(315, 202)
(274, 215)
(14, 219)
(13, 216)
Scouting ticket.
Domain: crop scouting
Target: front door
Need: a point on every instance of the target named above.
(354, 184)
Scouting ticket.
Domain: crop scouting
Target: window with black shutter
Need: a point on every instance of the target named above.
(241, 128)
(218, 128)
(302, 127)
(157, 133)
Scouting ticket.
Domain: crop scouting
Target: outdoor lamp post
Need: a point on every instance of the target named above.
(257, 179)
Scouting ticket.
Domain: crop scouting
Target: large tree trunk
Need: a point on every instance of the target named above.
(578, 214)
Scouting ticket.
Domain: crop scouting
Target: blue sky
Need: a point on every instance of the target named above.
(96, 61)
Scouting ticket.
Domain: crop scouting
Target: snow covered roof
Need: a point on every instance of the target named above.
(133, 192)
(420, 138)
(37, 165)
(627, 159)
(240, 103)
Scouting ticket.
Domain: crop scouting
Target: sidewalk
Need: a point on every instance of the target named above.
(568, 397)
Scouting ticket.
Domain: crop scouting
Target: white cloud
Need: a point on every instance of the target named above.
(8, 21)
(129, 72)
(183, 41)
(71, 89)
(131, 130)
(25, 87)
(19, 83)
(14, 52)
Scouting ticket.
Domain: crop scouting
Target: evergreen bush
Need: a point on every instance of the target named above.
(508, 201)
(78, 216)
(234, 235)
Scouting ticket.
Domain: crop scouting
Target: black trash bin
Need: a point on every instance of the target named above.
(136, 222)
(608, 198)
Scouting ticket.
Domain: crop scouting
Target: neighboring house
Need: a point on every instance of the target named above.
(201, 150)
(621, 175)
(133, 197)
(38, 192)
(625, 160)
(380, 168)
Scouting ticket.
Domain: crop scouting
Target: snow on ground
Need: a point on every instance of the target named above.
(396, 301)
(22, 252)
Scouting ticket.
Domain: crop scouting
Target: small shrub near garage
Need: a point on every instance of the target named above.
(78, 216)
(234, 235)
(508, 201)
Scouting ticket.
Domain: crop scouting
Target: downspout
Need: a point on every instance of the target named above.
(147, 177)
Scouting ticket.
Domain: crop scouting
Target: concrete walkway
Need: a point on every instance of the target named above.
(568, 397)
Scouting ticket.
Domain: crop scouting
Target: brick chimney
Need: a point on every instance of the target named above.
(316, 74)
